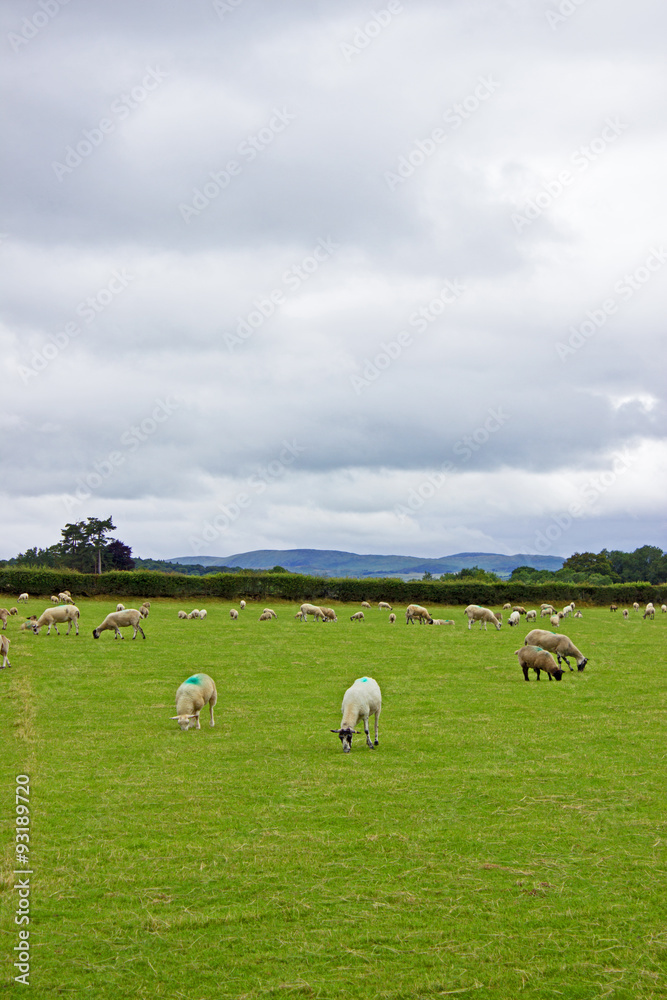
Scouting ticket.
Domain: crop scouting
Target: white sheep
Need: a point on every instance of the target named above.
(365, 604)
(649, 612)
(120, 619)
(556, 643)
(635, 606)
(4, 615)
(415, 612)
(555, 620)
(514, 618)
(311, 609)
(482, 615)
(577, 614)
(23, 597)
(4, 650)
(265, 618)
(56, 616)
(194, 613)
(358, 616)
(547, 609)
(202, 613)
(65, 597)
(329, 615)
(54, 599)
(663, 608)
(360, 701)
(537, 659)
(242, 605)
(120, 607)
(269, 611)
(626, 613)
(182, 614)
(444, 621)
(507, 607)
(191, 696)
(144, 610)
(384, 606)
(567, 610)
(392, 618)
(13, 611)
(233, 614)
(531, 616)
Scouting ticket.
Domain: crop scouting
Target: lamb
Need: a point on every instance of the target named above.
(13, 611)
(120, 607)
(242, 605)
(182, 614)
(561, 645)
(384, 606)
(192, 695)
(555, 620)
(143, 610)
(499, 615)
(482, 615)
(514, 618)
(357, 617)
(443, 621)
(392, 618)
(120, 619)
(56, 616)
(415, 612)
(264, 617)
(311, 609)
(26, 597)
(4, 650)
(364, 698)
(329, 615)
(537, 659)
(233, 614)
(577, 614)
(365, 604)
(531, 616)
(269, 611)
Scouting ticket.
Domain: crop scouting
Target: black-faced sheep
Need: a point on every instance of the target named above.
(359, 702)
(537, 659)
(415, 612)
(560, 645)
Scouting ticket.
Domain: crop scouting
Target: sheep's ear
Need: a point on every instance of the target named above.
(174, 717)
(334, 730)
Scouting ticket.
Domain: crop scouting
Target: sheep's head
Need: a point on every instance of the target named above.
(186, 721)
(558, 673)
(345, 736)
(580, 666)
(96, 633)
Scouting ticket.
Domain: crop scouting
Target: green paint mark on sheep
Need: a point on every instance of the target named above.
(193, 680)
(363, 678)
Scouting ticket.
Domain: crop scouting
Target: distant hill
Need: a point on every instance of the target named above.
(330, 562)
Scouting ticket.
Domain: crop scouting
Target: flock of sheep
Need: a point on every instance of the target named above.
(542, 651)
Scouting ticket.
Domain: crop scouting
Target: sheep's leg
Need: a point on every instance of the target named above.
(368, 737)
(567, 661)
(70, 628)
(377, 716)
(211, 703)
(117, 633)
(537, 671)
(197, 726)
(525, 671)
(469, 624)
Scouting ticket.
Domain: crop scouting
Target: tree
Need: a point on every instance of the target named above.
(96, 532)
(118, 556)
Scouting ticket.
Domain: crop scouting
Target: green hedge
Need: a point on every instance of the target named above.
(298, 587)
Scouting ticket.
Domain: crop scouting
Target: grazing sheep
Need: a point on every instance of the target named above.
(233, 614)
(4, 649)
(329, 615)
(514, 618)
(507, 607)
(384, 606)
(613, 607)
(635, 606)
(192, 695)
(555, 620)
(359, 701)
(65, 597)
(242, 605)
(269, 611)
(517, 607)
(531, 616)
(392, 618)
(626, 613)
(663, 608)
(54, 599)
(358, 616)
(556, 643)
(444, 621)
(120, 619)
(144, 610)
(365, 604)
(146, 604)
(23, 597)
(536, 658)
(482, 615)
(120, 607)
(182, 614)
(415, 612)
(649, 613)
(547, 609)
(13, 611)
(203, 612)
(194, 613)
(264, 617)
(4, 615)
(56, 616)
(567, 610)
(311, 609)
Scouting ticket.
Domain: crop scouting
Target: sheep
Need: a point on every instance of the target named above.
(311, 609)
(482, 615)
(182, 614)
(242, 605)
(362, 699)
(567, 610)
(4, 615)
(120, 607)
(635, 606)
(365, 604)
(144, 610)
(233, 614)
(443, 621)
(577, 614)
(120, 619)
(663, 608)
(65, 597)
(13, 611)
(202, 613)
(4, 649)
(358, 616)
(626, 613)
(507, 607)
(531, 616)
(146, 604)
(384, 606)
(54, 599)
(514, 618)
(56, 616)
(192, 695)
(23, 597)
(555, 620)
(415, 612)
(392, 618)
(613, 607)
(329, 615)
(269, 611)
(649, 613)
(536, 658)
(194, 613)
(561, 645)
(517, 607)
(265, 618)
(547, 609)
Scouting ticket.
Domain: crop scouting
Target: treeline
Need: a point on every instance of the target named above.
(299, 587)
(648, 562)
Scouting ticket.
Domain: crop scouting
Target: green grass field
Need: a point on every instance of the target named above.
(505, 839)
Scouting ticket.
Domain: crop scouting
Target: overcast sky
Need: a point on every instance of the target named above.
(386, 277)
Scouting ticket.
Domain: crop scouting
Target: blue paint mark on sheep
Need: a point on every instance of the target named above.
(192, 680)
(363, 679)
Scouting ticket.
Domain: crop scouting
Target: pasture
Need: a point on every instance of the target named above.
(506, 839)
